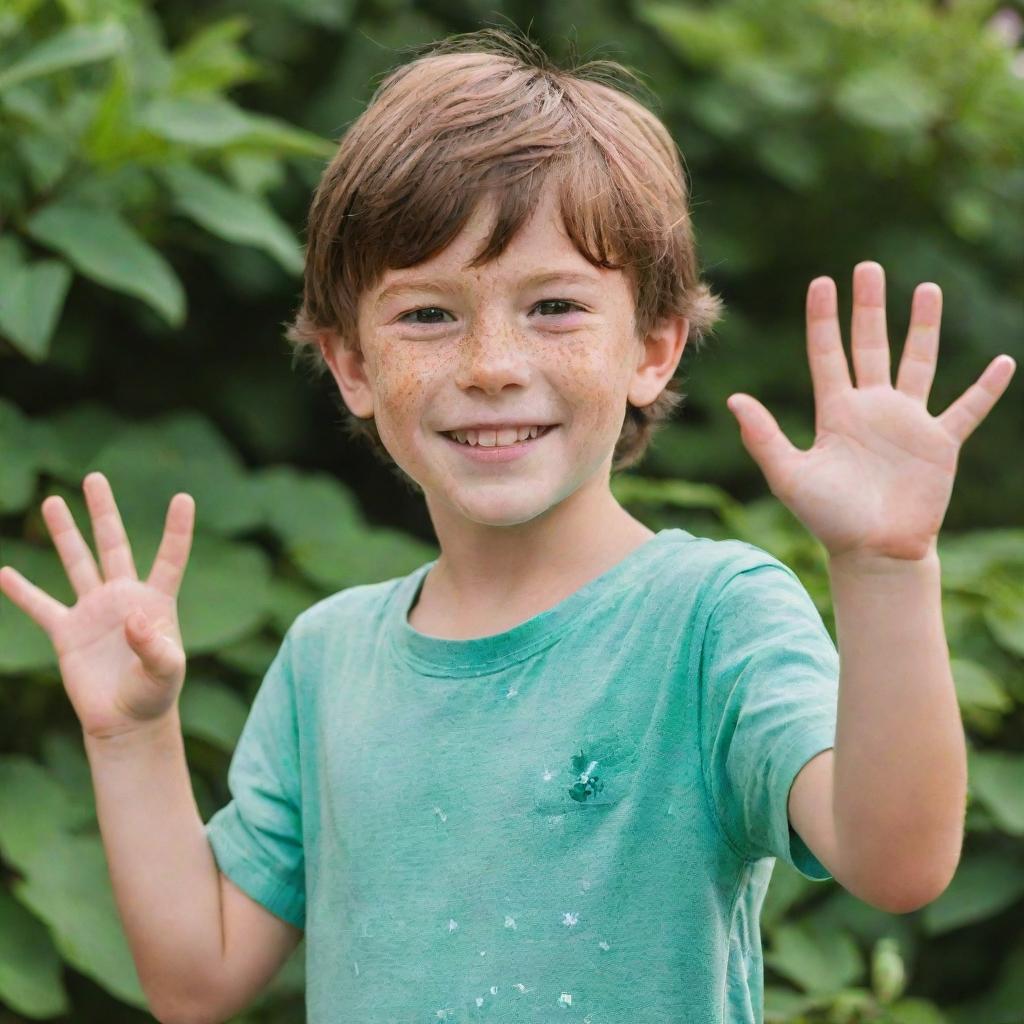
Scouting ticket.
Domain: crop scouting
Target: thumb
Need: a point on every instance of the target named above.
(764, 440)
(156, 654)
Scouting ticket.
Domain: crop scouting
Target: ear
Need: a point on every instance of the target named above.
(662, 350)
(348, 367)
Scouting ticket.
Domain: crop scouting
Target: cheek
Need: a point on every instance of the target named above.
(594, 388)
(401, 386)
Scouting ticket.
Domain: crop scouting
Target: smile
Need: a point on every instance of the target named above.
(496, 452)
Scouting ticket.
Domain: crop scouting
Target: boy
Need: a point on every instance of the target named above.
(546, 775)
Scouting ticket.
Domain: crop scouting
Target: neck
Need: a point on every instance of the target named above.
(485, 570)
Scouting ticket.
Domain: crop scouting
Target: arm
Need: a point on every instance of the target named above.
(122, 663)
(874, 489)
(202, 948)
(164, 876)
(886, 808)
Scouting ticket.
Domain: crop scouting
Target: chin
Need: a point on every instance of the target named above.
(503, 513)
(501, 509)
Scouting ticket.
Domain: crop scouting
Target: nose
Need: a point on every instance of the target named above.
(491, 358)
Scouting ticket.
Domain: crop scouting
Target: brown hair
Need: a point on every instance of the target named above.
(487, 113)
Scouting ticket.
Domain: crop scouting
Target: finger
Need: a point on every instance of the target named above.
(171, 558)
(75, 555)
(830, 372)
(869, 338)
(963, 416)
(44, 610)
(107, 529)
(160, 658)
(921, 349)
(777, 456)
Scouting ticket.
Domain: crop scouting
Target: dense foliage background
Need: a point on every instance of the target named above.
(156, 162)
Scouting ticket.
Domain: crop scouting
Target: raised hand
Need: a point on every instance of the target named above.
(121, 670)
(879, 477)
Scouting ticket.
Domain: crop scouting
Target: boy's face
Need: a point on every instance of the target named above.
(458, 347)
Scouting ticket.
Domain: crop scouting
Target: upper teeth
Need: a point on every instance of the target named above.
(494, 438)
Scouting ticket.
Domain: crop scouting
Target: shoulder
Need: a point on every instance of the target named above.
(707, 565)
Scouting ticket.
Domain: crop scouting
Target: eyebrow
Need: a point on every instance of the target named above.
(541, 277)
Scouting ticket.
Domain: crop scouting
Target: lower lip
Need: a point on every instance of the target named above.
(505, 453)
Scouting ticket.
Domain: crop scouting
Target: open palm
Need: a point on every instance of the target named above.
(879, 476)
(117, 676)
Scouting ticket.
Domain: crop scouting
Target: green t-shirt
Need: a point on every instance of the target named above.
(575, 819)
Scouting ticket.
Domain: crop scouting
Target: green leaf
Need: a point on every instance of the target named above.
(212, 712)
(34, 810)
(890, 99)
(214, 123)
(971, 213)
(19, 442)
(211, 59)
(774, 84)
(30, 303)
(997, 779)
(26, 102)
(1004, 616)
(977, 687)
(969, 559)
(65, 758)
(790, 158)
(14, 14)
(224, 594)
(254, 173)
(701, 35)
(77, 44)
(148, 463)
(380, 554)
(333, 13)
(253, 654)
(24, 646)
(46, 156)
(915, 1011)
(31, 970)
(288, 598)
(68, 886)
(235, 216)
(103, 247)
(816, 958)
(674, 493)
(302, 507)
(70, 439)
(985, 884)
(720, 108)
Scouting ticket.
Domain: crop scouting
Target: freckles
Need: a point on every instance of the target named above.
(400, 382)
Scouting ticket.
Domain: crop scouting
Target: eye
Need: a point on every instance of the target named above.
(560, 302)
(425, 309)
(437, 309)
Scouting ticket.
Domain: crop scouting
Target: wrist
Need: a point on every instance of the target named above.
(867, 566)
(142, 733)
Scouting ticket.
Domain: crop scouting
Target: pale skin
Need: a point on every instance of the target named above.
(119, 676)
(874, 489)
(518, 537)
(884, 809)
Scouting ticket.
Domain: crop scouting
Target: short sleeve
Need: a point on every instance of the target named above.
(257, 837)
(769, 690)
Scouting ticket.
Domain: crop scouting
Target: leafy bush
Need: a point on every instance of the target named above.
(149, 253)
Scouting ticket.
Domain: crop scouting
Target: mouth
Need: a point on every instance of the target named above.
(474, 444)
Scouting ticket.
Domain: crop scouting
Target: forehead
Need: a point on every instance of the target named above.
(541, 250)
